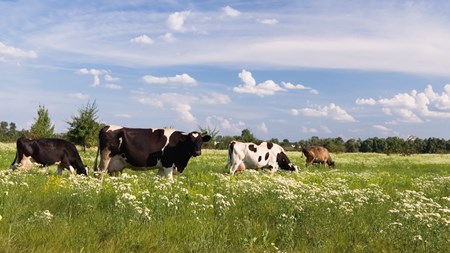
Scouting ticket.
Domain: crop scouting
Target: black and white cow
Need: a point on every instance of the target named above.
(48, 151)
(247, 155)
(142, 149)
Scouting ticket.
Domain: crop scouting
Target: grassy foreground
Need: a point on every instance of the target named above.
(370, 203)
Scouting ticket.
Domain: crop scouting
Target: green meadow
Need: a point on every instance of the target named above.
(369, 203)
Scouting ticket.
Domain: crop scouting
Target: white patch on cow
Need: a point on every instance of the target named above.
(72, 170)
(168, 132)
(113, 128)
(120, 142)
(87, 170)
(195, 135)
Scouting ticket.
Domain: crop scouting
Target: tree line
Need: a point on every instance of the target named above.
(84, 127)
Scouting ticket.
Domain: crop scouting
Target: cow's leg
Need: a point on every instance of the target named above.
(59, 169)
(237, 167)
(168, 172)
(14, 164)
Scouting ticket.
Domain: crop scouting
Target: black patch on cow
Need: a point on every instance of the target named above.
(259, 159)
(284, 162)
(269, 145)
(252, 147)
(267, 156)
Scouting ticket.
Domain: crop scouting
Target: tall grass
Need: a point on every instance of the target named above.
(370, 203)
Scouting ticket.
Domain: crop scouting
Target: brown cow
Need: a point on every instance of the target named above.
(317, 154)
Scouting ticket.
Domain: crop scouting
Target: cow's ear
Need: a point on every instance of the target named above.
(206, 138)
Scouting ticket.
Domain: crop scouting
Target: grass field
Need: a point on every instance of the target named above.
(369, 203)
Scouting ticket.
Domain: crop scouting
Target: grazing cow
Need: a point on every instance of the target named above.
(317, 154)
(48, 151)
(243, 155)
(142, 149)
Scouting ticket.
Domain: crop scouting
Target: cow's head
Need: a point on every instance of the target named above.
(195, 140)
(83, 171)
(284, 162)
(331, 164)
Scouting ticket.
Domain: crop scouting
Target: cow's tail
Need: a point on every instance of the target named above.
(230, 154)
(14, 164)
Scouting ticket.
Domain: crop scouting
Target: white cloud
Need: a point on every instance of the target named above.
(109, 78)
(216, 98)
(168, 37)
(224, 124)
(271, 21)
(184, 79)
(79, 95)
(230, 12)
(369, 101)
(176, 20)
(10, 51)
(263, 128)
(184, 112)
(413, 107)
(181, 104)
(330, 111)
(384, 130)
(291, 86)
(249, 85)
(142, 39)
(95, 73)
(309, 130)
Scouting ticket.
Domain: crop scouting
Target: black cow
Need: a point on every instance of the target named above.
(142, 149)
(48, 151)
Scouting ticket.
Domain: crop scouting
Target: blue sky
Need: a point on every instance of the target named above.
(283, 69)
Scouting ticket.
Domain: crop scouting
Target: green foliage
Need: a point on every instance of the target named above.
(371, 203)
(83, 129)
(42, 127)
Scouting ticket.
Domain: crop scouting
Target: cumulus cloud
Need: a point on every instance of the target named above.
(15, 52)
(142, 39)
(168, 37)
(181, 104)
(330, 111)
(414, 107)
(291, 86)
(183, 79)
(176, 20)
(369, 101)
(384, 130)
(309, 130)
(263, 128)
(96, 73)
(216, 98)
(230, 12)
(225, 124)
(249, 85)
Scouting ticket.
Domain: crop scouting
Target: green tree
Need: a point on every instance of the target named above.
(247, 136)
(84, 128)
(42, 127)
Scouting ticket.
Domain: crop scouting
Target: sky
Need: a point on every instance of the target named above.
(282, 69)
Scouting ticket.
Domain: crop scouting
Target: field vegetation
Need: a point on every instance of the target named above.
(369, 203)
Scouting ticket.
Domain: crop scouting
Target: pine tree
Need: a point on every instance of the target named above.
(42, 127)
(84, 128)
